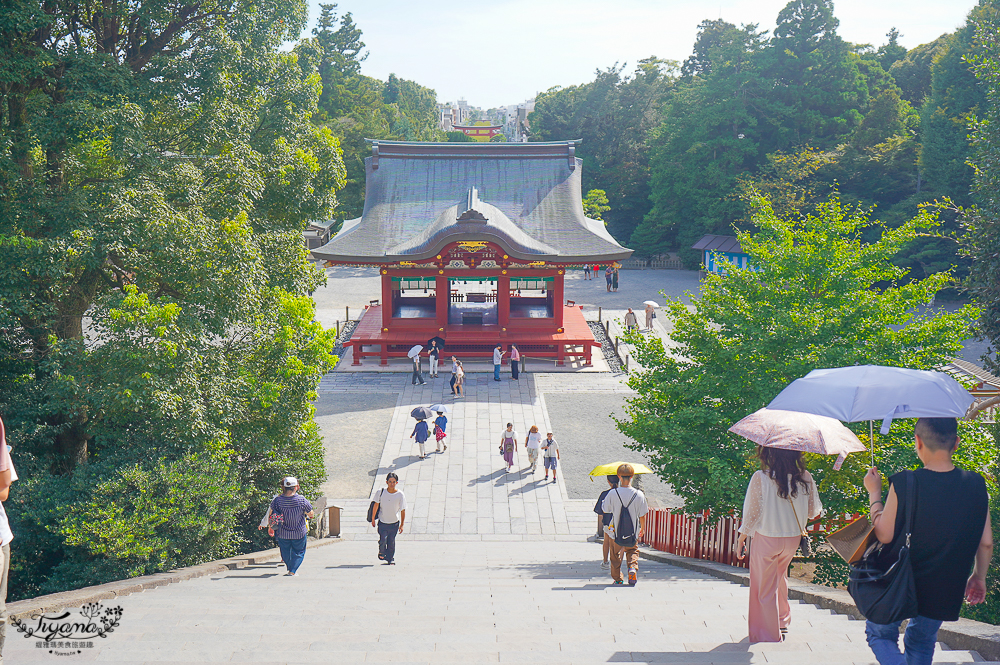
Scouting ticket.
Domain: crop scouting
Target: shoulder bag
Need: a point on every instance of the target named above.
(888, 596)
(805, 545)
(372, 513)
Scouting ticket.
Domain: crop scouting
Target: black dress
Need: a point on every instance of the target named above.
(948, 524)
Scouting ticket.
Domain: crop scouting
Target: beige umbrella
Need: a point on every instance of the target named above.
(794, 430)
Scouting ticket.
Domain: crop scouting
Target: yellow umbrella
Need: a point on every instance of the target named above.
(612, 469)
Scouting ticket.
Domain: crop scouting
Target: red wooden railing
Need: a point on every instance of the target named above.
(714, 539)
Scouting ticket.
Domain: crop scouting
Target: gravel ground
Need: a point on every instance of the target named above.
(351, 465)
(607, 346)
(587, 437)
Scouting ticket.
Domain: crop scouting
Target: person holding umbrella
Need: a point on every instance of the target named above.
(414, 355)
(650, 313)
(780, 500)
(780, 496)
(435, 345)
(420, 430)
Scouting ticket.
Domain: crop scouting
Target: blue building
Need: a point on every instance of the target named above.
(719, 252)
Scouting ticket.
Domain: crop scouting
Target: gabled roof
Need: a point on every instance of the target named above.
(719, 244)
(526, 197)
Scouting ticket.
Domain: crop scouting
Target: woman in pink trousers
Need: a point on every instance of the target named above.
(780, 500)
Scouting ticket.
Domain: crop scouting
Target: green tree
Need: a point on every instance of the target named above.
(817, 81)
(709, 135)
(818, 296)
(157, 350)
(612, 114)
(913, 73)
(595, 204)
(981, 240)
(458, 137)
(954, 98)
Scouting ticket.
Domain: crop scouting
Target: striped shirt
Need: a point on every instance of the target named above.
(293, 511)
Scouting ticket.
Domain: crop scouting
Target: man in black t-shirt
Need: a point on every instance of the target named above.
(951, 535)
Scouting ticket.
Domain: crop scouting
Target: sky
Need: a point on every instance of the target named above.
(505, 51)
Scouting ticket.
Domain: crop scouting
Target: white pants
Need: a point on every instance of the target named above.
(434, 366)
(423, 453)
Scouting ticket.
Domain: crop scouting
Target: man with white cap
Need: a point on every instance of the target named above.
(292, 529)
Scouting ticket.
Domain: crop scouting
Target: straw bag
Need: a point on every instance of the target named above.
(852, 541)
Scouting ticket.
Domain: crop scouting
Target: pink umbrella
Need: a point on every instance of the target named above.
(794, 430)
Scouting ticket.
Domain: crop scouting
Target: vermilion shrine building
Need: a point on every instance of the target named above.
(472, 241)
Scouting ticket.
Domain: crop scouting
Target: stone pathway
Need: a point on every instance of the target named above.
(451, 601)
(466, 489)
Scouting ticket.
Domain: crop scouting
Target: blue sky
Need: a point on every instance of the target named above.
(504, 51)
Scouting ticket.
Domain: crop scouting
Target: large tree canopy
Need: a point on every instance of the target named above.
(158, 163)
(817, 296)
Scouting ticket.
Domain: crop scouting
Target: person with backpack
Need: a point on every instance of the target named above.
(532, 442)
(604, 522)
(628, 510)
(951, 535)
(440, 425)
(781, 498)
(388, 513)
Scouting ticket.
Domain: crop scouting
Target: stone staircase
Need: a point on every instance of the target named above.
(450, 600)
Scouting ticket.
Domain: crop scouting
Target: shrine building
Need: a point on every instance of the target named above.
(472, 241)
(481, 130)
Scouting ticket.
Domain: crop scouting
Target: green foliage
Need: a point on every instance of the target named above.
(356, 107)
(822, 297)
(498, 138)
(981, 240)
(157, 348)
(944, 118)
(458, 137)
(595, 204)
(612, 114)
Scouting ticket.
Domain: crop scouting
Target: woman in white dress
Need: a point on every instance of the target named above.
(780, 500)
(533, 442)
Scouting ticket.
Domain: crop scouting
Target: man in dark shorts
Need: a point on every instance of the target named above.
(951, 535)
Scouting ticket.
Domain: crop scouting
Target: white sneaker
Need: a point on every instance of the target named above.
(605, 565)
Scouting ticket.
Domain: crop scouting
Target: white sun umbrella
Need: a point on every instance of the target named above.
(440, 408)
(875, 392)
(415, 351)
(795, 430)
(651, 302)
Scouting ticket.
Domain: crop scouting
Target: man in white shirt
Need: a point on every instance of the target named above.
(390, 508)
(625, 537)
(497, 359)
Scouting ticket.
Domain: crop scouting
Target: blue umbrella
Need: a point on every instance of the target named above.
(875, 392)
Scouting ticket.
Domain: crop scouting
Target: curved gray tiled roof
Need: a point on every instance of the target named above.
(526, 197)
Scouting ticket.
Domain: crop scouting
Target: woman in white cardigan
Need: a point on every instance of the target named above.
(780, 500)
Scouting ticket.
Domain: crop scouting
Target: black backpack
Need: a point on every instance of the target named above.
(371, 508)
(625, 533)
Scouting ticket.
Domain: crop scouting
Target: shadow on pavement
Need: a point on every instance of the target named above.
(736, 652)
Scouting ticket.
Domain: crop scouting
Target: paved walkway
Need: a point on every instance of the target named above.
(466, 489)
(457, 602)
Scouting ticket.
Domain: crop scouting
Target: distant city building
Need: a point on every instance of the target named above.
(481, 130)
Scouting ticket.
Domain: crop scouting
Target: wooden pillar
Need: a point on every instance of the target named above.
(503, 300)
(442, 301)
(558, 299)
(386, 301)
